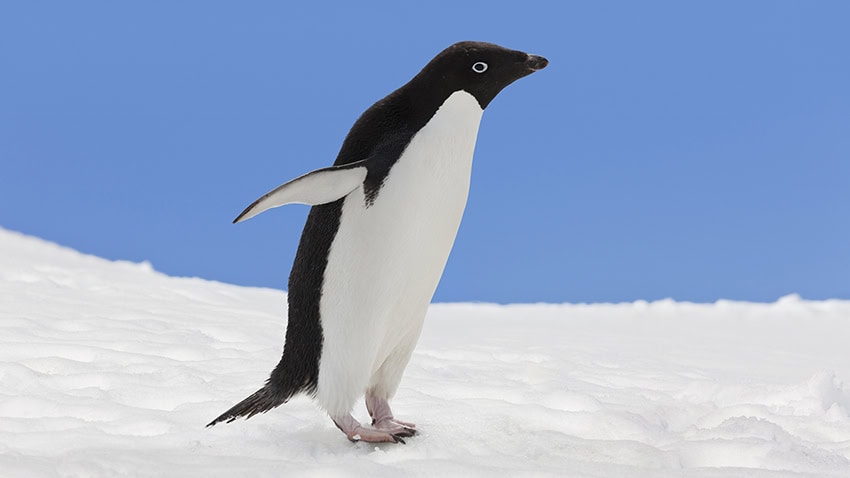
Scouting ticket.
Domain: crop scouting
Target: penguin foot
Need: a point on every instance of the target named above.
(382, 417)
(396, 427)
(357, 432)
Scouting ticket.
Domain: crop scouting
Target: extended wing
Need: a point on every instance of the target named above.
(317, 187)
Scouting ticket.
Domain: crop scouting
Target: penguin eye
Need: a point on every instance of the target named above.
(479, 67)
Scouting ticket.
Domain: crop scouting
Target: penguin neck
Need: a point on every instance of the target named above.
(459, 115)
(452, 113)
(447, 142)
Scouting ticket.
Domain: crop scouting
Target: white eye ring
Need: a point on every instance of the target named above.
(479, 67)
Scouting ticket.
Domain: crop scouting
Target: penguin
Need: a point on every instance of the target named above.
(382, 224)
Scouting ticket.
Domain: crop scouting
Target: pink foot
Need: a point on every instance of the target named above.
(382, 417)
(395, 427)
(357, 432)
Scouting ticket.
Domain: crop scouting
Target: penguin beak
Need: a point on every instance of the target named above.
(535, 62)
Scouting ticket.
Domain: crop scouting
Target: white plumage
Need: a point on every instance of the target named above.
(386, 259)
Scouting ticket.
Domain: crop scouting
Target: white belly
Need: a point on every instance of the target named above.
(386, 259)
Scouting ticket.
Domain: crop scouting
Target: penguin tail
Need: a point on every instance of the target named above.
(260, 401)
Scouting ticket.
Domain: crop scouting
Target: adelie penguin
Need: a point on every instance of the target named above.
(383, 222)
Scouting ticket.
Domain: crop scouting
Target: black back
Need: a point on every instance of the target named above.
(381, 134)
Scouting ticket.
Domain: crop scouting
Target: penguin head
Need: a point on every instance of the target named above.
(481, 69)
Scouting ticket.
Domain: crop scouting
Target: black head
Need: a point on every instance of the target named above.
(480, 69)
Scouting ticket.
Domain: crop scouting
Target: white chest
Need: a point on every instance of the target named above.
(387, 259)
(395, 250)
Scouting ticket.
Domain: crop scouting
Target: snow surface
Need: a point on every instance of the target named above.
(112, 369)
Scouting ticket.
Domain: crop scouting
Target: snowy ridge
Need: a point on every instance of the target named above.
(110, 368)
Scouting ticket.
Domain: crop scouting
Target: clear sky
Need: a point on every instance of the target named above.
(693, 150)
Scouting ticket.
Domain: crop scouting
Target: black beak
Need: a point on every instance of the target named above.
(535, 62)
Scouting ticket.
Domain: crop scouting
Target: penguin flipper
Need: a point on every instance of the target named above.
(317, 187)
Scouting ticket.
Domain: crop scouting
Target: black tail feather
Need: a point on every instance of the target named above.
(261, 401)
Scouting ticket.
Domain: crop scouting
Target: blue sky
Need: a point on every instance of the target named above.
(672, 149)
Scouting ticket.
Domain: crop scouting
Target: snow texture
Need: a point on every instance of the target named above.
(112, 369)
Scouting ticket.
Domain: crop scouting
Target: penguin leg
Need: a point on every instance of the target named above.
(382, 416)
(357, 432)
(384, 383)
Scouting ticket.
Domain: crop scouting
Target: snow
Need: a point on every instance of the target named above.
(111, 368)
